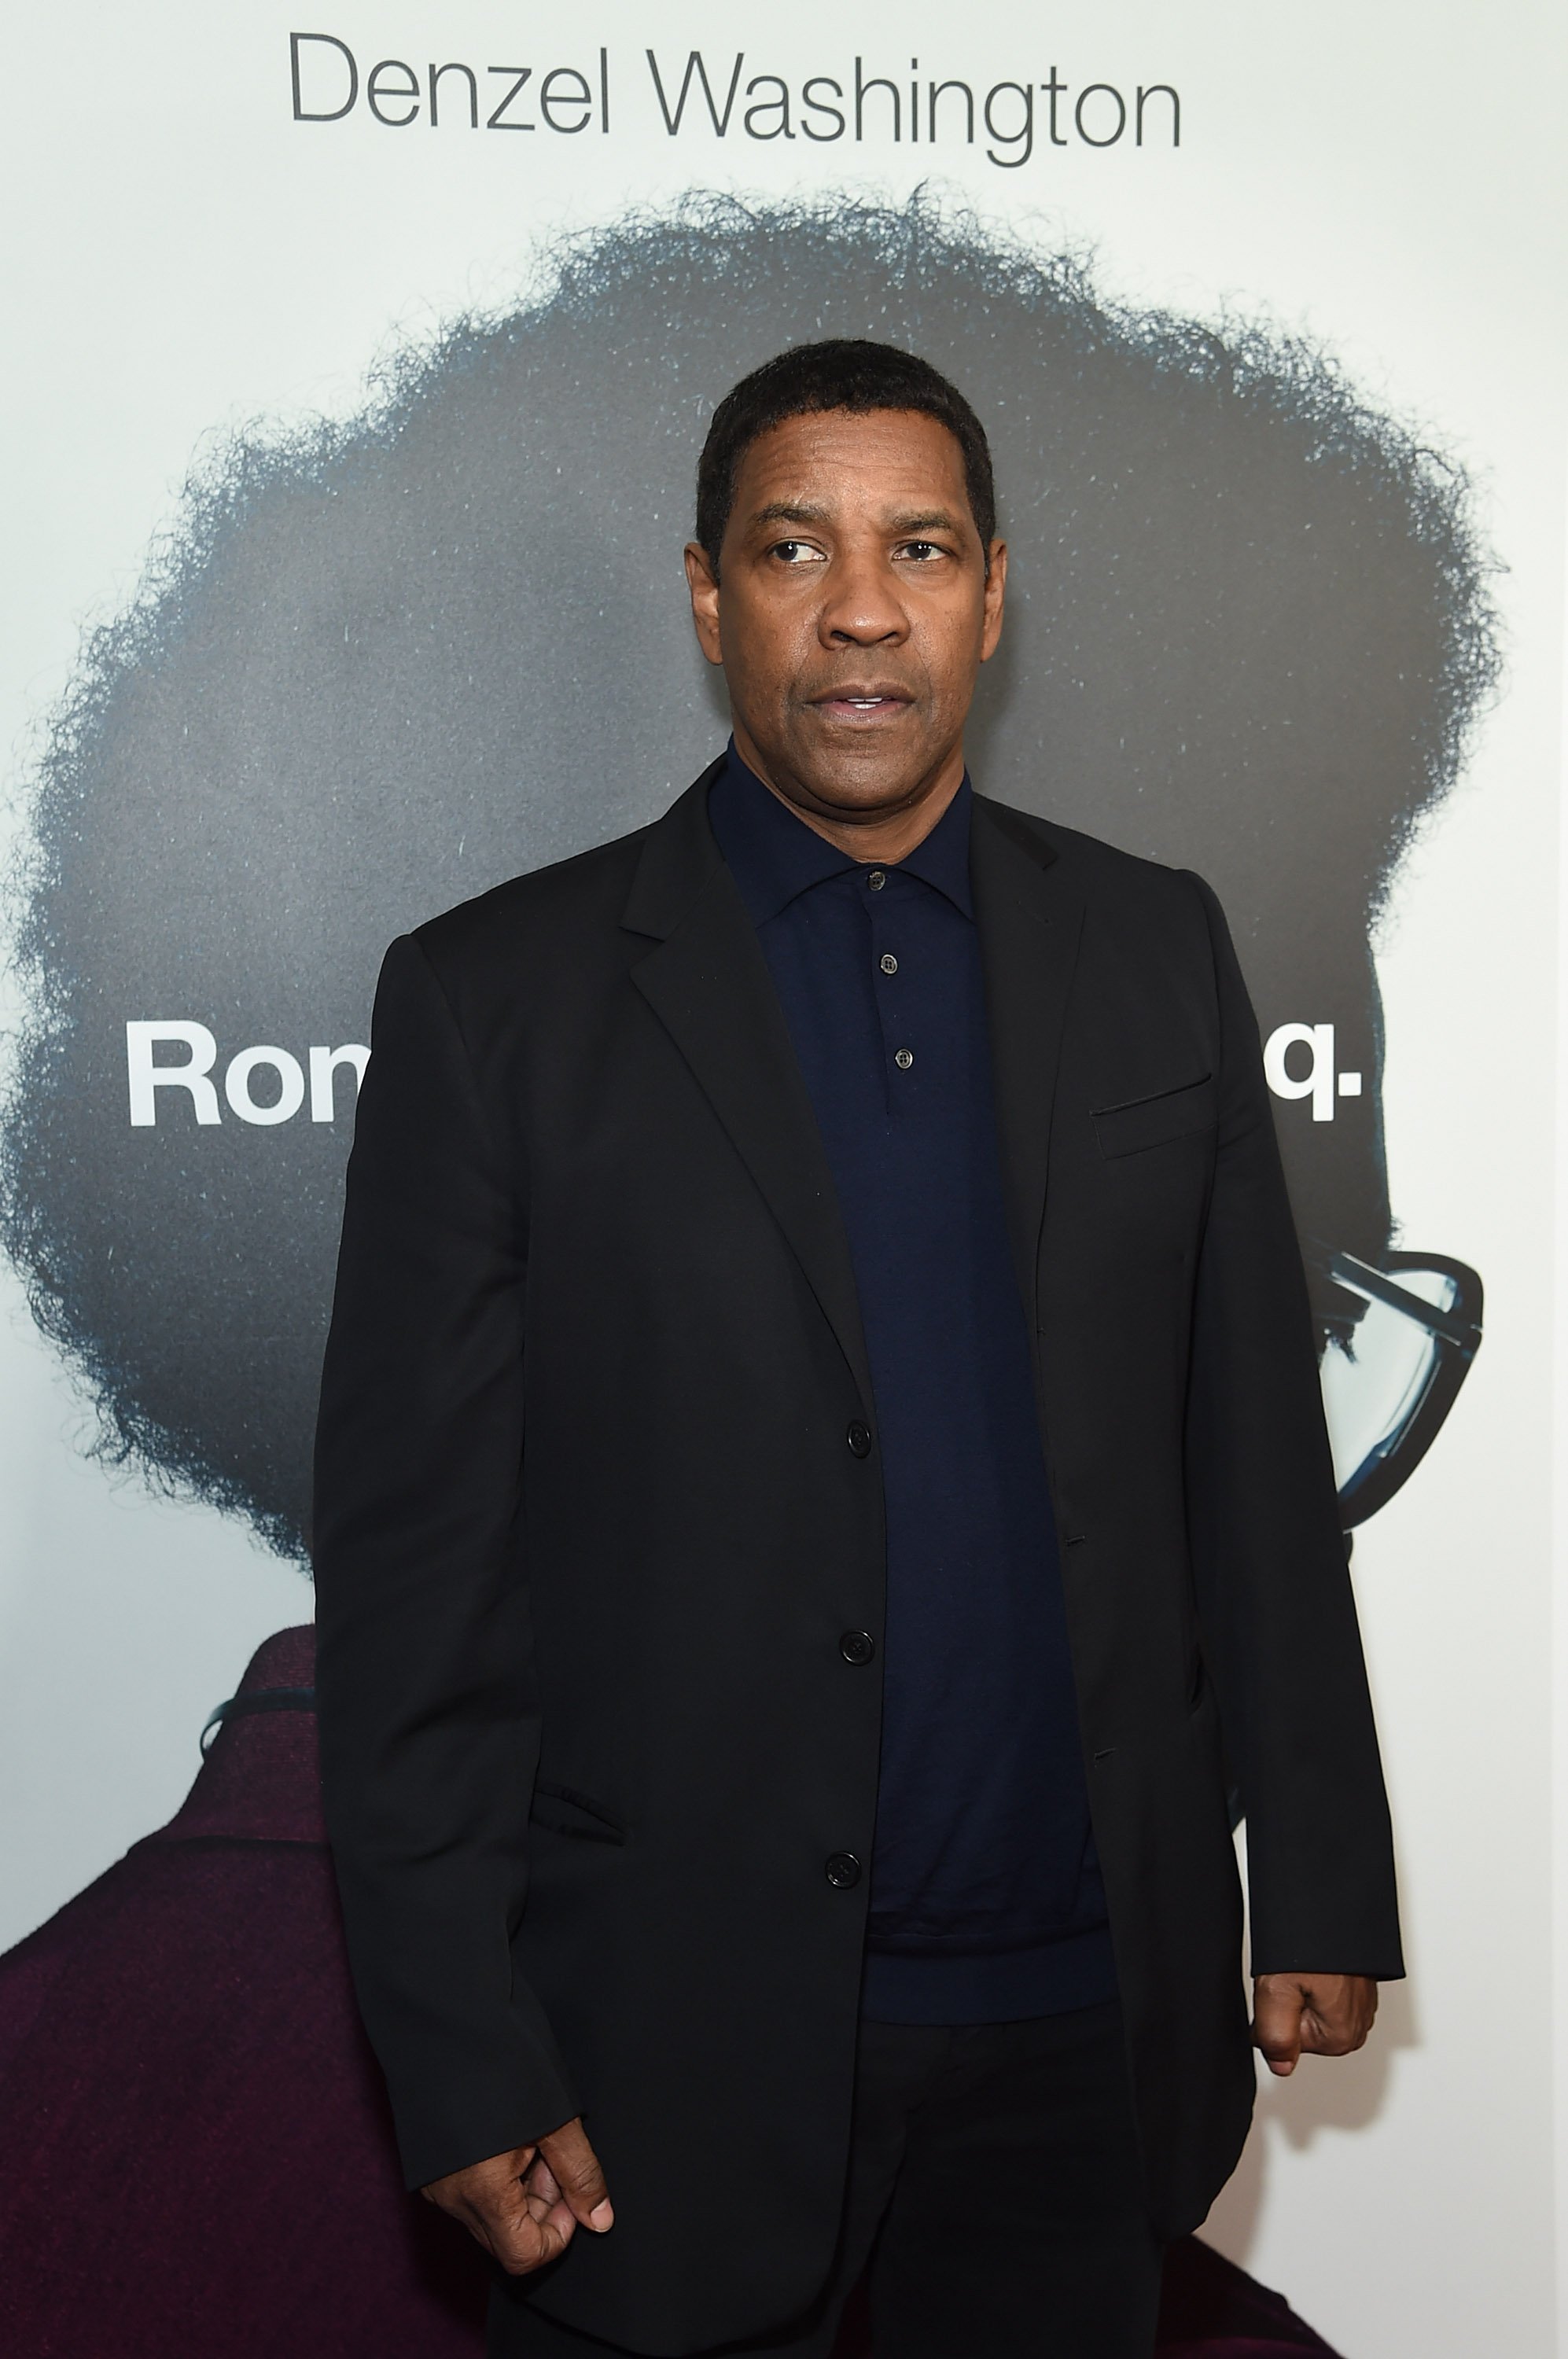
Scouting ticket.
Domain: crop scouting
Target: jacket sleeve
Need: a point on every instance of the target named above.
(430, 1737)
(1275, 1605)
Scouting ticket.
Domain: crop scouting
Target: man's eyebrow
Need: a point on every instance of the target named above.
(927, 520)
(806, 512)
(790, 512)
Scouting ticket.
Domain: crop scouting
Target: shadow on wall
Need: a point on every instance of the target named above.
(379, 666)
(1315, 2100)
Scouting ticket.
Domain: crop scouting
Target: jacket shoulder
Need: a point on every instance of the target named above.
(1102, 869)
(564, 901)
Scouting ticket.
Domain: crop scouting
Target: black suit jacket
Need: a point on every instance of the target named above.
(589, 1527)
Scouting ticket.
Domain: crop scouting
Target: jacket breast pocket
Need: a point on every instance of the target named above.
(1143, 1122)
(563, 1811)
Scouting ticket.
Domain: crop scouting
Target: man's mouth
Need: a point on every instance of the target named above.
(863, 703)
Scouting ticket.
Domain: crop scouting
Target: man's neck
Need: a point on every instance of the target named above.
(882, 836)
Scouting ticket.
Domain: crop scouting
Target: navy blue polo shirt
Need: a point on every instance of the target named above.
(986, 1904)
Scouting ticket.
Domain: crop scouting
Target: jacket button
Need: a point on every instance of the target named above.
(843, 1870)
(859, 1439)
(857, 1647)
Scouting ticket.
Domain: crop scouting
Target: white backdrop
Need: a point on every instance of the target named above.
(185, 258)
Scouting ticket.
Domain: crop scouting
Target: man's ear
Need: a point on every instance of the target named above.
(996, 599)
(702, 580)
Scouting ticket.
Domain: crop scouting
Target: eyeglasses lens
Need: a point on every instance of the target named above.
(1374, 1380)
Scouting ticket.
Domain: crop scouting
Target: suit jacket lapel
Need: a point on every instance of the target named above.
(707, 982)
(1030, 922)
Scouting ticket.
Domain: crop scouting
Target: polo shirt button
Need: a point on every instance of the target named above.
(857, 1647)
(904, 1060)
(887, 962)
(858, 1437)
(841, 1870)
(877, 880)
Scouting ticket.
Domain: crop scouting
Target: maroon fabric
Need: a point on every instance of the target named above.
(198, 2153)
(198, 2157)
(1212, 2308)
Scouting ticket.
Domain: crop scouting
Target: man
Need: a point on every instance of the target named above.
(821, 1481)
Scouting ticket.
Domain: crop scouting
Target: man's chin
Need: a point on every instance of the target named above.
(859, 780)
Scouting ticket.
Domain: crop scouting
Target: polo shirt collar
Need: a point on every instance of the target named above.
(775, 857)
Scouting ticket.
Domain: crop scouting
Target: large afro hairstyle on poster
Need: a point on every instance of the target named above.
(378, 665)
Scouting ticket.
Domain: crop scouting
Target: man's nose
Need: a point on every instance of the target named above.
(862, 606)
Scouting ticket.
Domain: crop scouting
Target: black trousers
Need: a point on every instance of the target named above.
(994, 2205)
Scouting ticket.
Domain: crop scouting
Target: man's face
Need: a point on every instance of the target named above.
(852, 612)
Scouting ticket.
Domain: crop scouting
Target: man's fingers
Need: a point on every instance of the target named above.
(526, 2235)
(512, 2205)
(1277, 2014)
(575, 2168)
(1339, 2014)
(526, 2244)
(525, 2206)
(1321, 2038)
(1311, 2014)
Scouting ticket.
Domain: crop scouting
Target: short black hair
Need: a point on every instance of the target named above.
(838, 373)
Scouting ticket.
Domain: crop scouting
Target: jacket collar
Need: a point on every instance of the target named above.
(678, 860)
(706, 980)
(1030, 919)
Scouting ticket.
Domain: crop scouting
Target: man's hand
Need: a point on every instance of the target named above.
(1310, 2015)
(525, 2206)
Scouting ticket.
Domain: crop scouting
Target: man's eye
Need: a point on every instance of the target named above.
(797, 552)
(923, 550)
